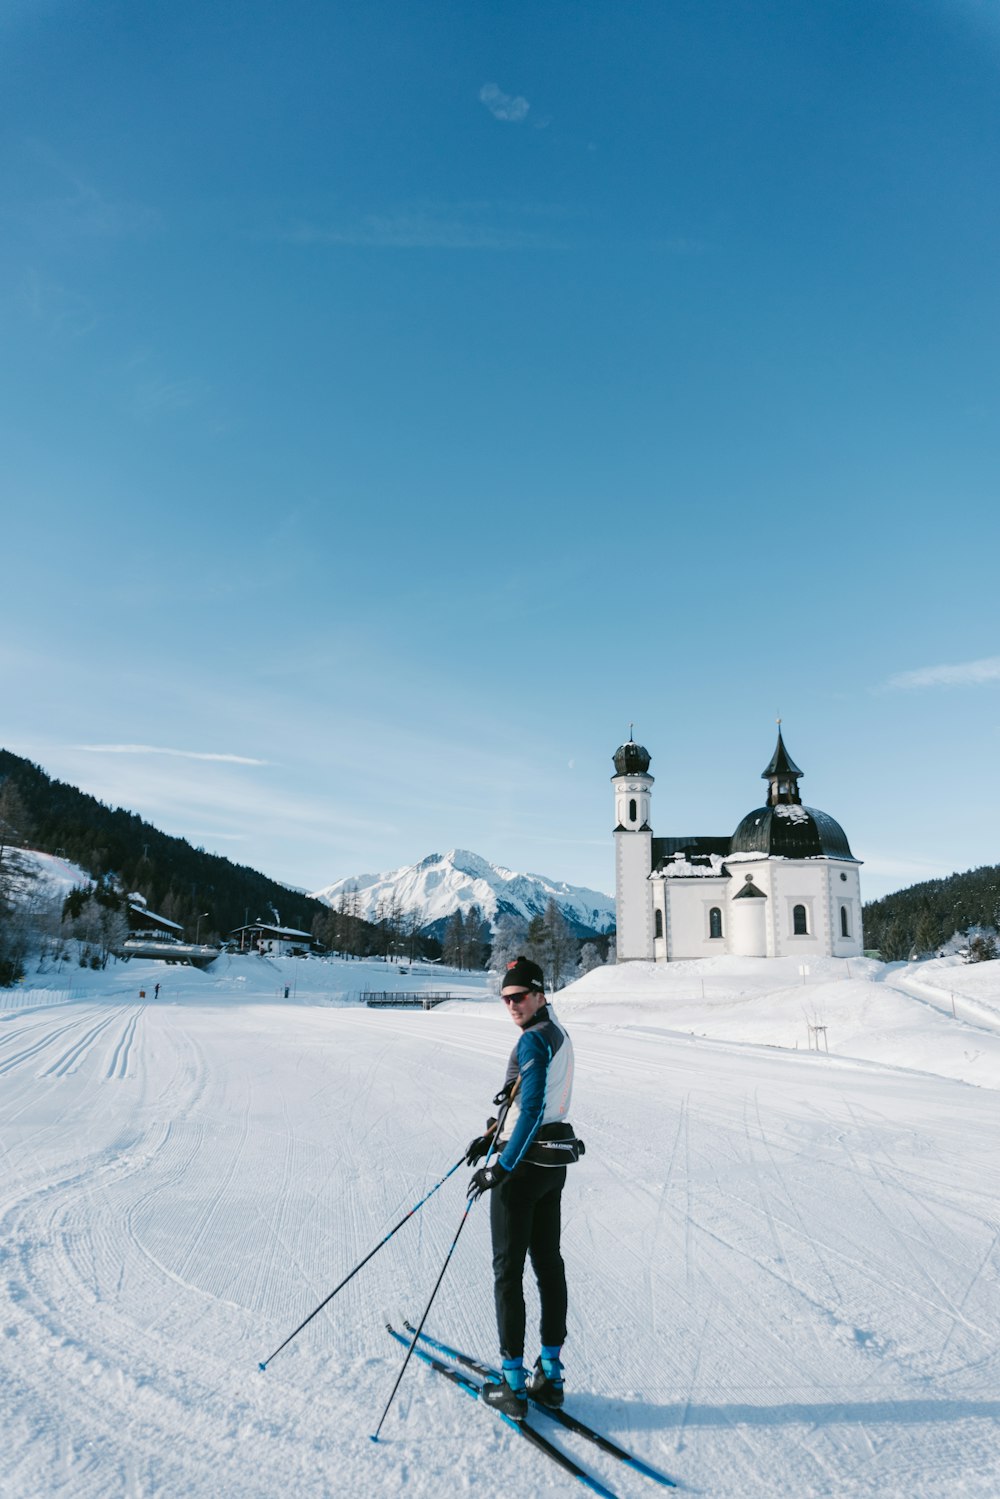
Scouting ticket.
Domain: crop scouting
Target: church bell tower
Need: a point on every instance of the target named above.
(633, 852)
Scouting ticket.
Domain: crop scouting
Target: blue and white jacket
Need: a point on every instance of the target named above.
(543, 1059)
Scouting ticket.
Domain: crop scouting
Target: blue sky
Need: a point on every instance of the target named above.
(399, 400)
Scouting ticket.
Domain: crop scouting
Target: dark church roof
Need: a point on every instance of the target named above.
(631, 759)
(665, 849)
(781, 763)
(791, 832)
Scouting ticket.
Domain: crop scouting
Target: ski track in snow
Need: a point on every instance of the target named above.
(784, 1275)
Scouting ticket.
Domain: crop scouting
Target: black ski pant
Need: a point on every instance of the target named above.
(525, 1219)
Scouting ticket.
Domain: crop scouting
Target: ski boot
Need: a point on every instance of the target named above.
(509, 1394)
(546, 1382)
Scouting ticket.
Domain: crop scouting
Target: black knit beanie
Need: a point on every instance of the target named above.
(523, 974)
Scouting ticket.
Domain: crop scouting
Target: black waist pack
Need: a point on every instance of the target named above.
(555, 1145)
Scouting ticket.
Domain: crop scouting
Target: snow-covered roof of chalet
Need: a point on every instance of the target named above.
(791, 832)
(140, 908)
(631, 759)
(273, 931)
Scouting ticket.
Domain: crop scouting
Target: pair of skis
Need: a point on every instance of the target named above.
(472, 1386)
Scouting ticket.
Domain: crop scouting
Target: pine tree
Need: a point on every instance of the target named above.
(510, 936)
(536, 941)
(454, 941)
(927, 935)
(474, 928)
(560, 947)
(590, 958)
(982, 948)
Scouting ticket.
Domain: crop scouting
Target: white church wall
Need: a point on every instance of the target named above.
(751, 934)
(801, 883)
(690, 905)
(661, 920)
(633, 896)
(844, 893)
(748, 926)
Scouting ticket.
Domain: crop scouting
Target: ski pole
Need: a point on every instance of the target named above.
(423, 1319)
(363, 1262)
(399, 1377)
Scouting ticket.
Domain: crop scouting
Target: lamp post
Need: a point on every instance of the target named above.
(197, 930)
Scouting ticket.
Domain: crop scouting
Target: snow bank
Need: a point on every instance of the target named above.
(852, 1008)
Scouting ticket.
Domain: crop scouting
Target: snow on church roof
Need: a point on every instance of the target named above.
(680, 866)
(791, 832)
(794, 812)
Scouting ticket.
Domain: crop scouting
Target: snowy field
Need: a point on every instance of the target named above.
(784, 1265)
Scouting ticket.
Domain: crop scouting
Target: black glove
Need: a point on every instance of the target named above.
(481, 1144)
(485, 1179)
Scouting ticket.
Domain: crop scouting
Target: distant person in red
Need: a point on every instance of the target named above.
(536, 1142)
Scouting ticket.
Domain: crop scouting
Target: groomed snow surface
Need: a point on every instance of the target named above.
(783, 1264)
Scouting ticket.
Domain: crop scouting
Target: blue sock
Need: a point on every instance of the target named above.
(551, 1364)
(513, 1373)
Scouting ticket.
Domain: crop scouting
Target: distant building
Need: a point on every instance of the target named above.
(157, 937)
(142, 922)
(785, 884)
(279, 941)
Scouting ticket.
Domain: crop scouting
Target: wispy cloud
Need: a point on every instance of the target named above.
(155, 749)
(157, 396)
(913, 868)
(61, 312)
(419, 231)
(77, 205)
(511, 107)
(963, 674)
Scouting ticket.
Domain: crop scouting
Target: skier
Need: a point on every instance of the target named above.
(536, 1142)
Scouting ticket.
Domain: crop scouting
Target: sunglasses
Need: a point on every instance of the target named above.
(515, 999)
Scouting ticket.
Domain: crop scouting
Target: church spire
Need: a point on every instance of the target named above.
(783, 774)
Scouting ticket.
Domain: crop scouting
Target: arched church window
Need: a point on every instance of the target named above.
(715, 922)
(631, 810)
(659, 923)
(800, 923)
(845, 922)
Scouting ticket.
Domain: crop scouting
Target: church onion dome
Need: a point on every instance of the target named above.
(631, 759)
(791, 832)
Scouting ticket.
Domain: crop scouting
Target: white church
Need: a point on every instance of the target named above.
(784, 885)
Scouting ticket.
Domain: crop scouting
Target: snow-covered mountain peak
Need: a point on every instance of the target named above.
(440, 884)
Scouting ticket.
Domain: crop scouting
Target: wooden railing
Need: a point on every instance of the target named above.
(396, 999)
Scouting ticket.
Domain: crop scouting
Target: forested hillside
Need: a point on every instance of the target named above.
(179, 881)
(923, 917)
